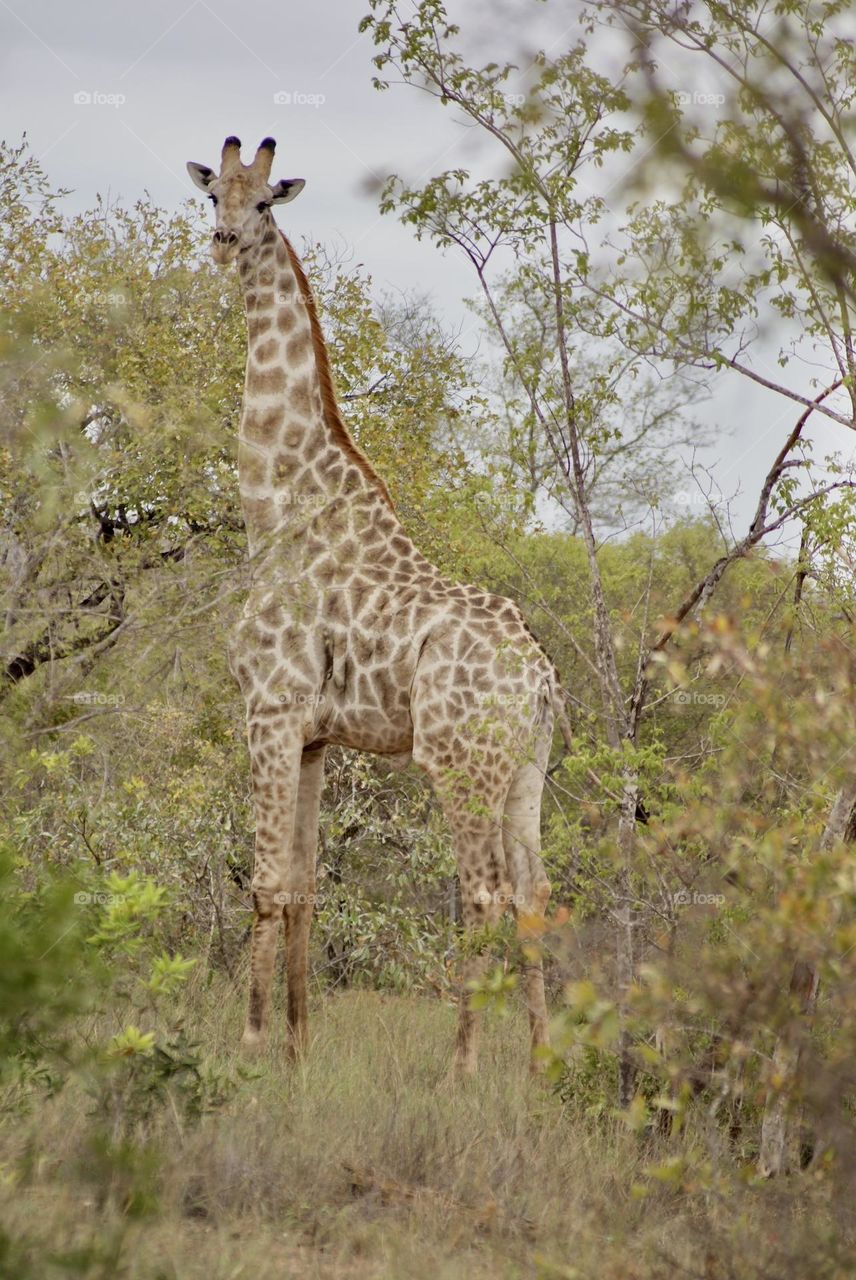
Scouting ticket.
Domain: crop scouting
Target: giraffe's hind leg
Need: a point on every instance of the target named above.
(472, 801)
(521, 835)
(475, 751)
(485, 894)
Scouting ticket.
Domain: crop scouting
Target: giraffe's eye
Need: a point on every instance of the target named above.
(213, 199)
(262, 206)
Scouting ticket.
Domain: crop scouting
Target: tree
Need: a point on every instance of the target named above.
(539, 212)
(636, 422)
(765, 180)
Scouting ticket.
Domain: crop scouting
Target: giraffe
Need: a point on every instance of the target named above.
(350, 636)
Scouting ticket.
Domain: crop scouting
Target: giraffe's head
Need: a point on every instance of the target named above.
(242, 195)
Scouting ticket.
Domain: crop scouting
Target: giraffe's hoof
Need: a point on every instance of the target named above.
(252, 1042)
(295, 1050)
(464, 1066)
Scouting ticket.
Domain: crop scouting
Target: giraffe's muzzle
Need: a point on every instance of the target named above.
(224, 246)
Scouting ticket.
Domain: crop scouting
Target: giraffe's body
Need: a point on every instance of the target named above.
(351, 637)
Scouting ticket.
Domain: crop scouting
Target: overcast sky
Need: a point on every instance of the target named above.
(115, 97)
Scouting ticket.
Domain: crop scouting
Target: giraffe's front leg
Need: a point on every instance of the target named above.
(276, 774)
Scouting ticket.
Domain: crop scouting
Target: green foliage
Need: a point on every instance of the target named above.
(493, 990)
(732, 884)
(131, 903)
(47, 973)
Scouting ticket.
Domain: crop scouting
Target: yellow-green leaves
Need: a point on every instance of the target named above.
(168, 974)
(131, 1043)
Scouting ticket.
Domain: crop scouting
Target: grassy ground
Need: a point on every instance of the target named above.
(367, 1161)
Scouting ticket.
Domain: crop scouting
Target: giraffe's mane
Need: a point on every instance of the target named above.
(332, 416)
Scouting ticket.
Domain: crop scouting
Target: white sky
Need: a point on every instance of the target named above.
(191, 73)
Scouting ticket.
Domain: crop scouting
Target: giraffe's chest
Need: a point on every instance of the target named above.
(365, 690)
(345, 681)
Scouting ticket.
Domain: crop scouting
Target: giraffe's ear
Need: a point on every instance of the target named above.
(201, 175)
(286, 189)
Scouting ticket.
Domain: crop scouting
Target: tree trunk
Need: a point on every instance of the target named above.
(625, 943)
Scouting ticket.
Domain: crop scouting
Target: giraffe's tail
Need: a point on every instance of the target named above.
(558, 703)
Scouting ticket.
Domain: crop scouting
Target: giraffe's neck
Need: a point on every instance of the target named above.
(295, 457)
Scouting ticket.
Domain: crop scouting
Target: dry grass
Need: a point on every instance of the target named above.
(368, 1161)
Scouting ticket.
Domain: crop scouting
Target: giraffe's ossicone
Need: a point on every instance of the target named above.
(350, 636)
